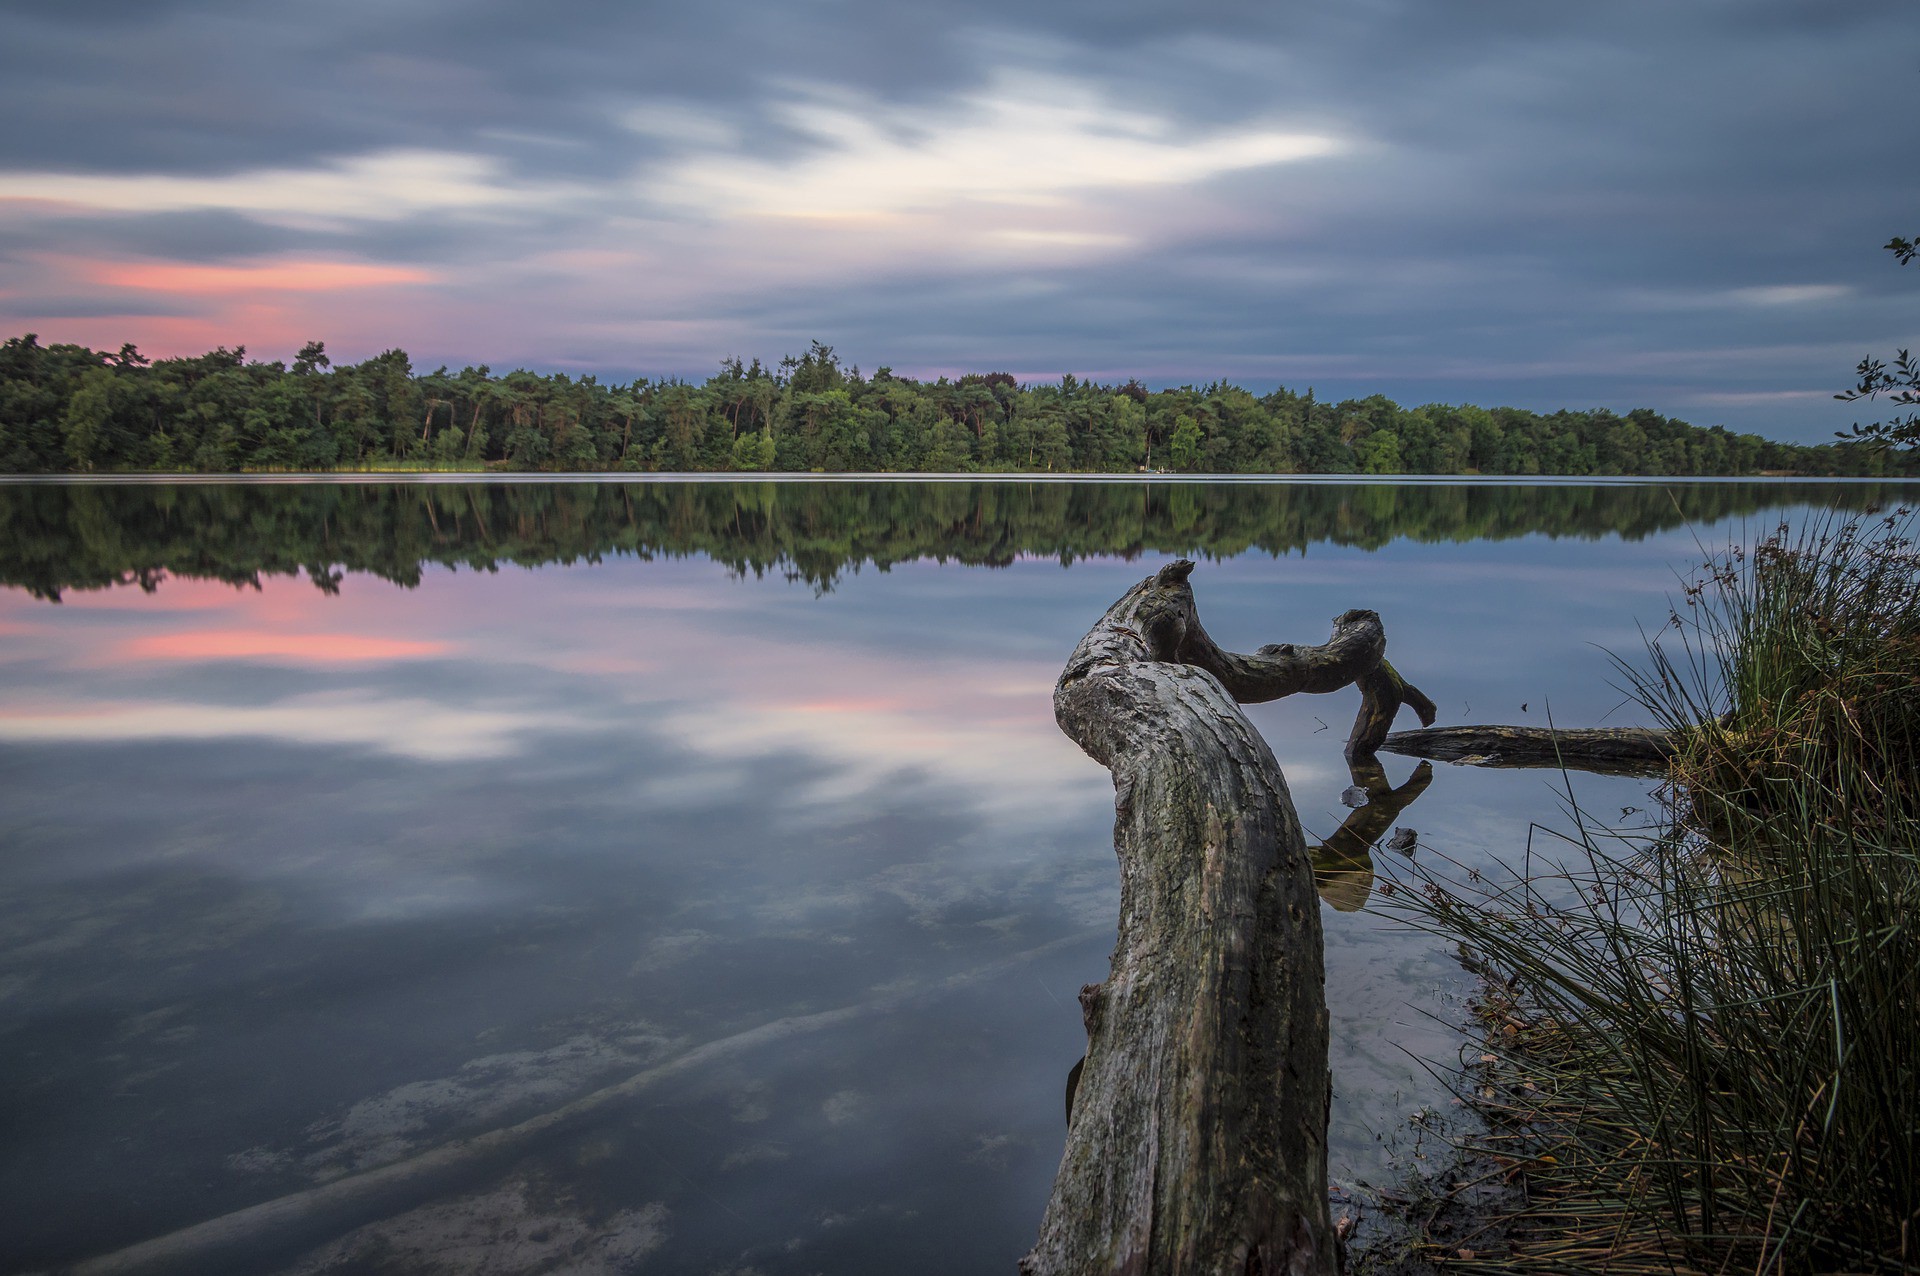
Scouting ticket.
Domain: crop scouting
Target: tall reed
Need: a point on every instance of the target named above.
(1703, 1049)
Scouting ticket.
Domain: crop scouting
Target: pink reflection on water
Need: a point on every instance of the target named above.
(254, 644)
(728, 669)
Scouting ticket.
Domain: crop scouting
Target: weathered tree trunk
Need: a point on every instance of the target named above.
(1197, 1138)
(1608, 750)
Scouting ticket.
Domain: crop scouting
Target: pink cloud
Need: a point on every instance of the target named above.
(266, 304)
(286, 275)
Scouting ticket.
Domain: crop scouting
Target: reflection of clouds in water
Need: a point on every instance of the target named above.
(933, 894)
(973, 885)
(757, 1154)
(140, 922)
(1086, 889)
(517, 1229)
(831, 679)
(665, 951)
(553, 881)
(702, 787)
(741, 668)
(330, 837)
(415, 728)
(485, 1091)
(750, 1104)
(403, 895)
(1306, 771)
(254, 644)
(844, 1106)
(1010, 773)
(994, 1151)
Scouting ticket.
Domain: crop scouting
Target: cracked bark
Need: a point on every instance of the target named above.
(1196, 1141)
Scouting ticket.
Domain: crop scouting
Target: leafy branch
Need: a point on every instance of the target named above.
(1900, 384)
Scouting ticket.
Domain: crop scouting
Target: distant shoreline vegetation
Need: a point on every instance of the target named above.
(69, 409)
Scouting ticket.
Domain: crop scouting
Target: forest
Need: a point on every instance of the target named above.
(70, 409)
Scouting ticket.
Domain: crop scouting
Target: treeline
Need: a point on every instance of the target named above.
(66, 408)
(60, 537)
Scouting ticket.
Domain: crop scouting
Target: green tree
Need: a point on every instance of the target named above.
(946, 449)
(88, 413)
(1379, 453)
(312, 357)
(754, 452)
(1126, 434)
(1900, 383)
(1184, 447)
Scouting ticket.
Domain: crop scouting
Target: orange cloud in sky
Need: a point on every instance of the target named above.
(264, 304)
(227, 323)
(243, 644)
(289, 275)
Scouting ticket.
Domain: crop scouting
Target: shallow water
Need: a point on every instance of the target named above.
(339, 823)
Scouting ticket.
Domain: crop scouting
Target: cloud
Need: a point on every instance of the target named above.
(277, 276)
(1748, 297)
(1764, 398)
(1023, 140)
(1789, 294)
(381, 186)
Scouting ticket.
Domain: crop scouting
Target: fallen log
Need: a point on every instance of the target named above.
(1196, 1139)
(1606, 750)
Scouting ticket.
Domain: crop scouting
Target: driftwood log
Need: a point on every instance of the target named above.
(1196, 1140)
(1606, 750)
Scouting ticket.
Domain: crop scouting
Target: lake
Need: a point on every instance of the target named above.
(594, 876)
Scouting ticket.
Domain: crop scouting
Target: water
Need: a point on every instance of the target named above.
(713, 841)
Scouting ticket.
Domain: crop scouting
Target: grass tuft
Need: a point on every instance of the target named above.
(1703, 1045)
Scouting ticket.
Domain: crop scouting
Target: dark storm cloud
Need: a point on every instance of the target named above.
(53, 305)
(209, 87)
(197, 235)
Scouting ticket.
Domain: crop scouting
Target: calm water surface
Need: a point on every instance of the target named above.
(707, 849)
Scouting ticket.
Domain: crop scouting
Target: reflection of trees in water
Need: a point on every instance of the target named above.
(59, 537)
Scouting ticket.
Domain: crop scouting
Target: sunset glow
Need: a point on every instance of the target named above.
(273, 276)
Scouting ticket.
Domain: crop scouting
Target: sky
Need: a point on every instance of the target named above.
(1629, 204)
